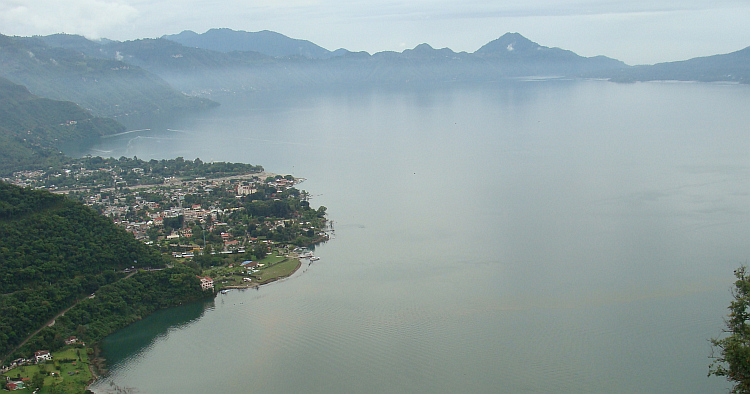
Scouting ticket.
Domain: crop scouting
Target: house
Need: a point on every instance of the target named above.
(42, 355)
(206, 283)
(73, 340)
(14, 385)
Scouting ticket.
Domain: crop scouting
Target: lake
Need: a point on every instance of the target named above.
(519, 236)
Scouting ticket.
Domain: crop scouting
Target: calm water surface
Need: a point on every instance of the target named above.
(556, 236)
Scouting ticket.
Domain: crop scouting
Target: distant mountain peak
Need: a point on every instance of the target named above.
(425, 51)
(266, 42)
(509, 43)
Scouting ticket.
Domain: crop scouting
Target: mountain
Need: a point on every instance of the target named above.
(201, 70)
(266, 42)
(515, 50)
(76, 43)
(106, 87)
(162, 55)
(32, 128)
(730, 67)
(510, 45)
(223, 60)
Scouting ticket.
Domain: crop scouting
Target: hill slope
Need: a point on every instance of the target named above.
(730, 67)
(55, 253)
(32, 127)
(105, 87)
(266, 42)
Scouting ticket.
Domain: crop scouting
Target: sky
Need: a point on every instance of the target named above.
(634, 31)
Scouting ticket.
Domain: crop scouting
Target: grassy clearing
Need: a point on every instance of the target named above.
(272, 259)
(275, 266)
(68, 370)
(282, 268)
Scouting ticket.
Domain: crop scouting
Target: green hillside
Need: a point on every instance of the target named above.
(56, 252)
(32, 128)
(106, 87)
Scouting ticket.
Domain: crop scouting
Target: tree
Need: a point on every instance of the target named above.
(37, 381)
(733, 361)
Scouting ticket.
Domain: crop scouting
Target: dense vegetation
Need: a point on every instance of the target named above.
(31, 128)
(733, 360)
(119, 304)
(55, 252)
(178, 167)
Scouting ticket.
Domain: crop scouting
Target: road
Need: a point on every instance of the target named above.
(51, 322)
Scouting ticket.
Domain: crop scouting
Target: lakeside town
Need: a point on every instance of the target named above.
(222, 212)
(238, 225)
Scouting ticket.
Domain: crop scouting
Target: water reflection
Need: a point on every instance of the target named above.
(137, 338)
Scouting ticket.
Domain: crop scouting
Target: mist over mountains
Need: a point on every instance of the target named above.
(158, 76)
(266, 42)
(32, 127)
(105, 86)
(225, 59)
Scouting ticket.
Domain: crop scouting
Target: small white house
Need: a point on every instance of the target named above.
(42, 355)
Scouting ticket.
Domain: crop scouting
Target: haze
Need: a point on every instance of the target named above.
(636, 31)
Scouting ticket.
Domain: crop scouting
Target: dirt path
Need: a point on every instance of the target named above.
(51, 322)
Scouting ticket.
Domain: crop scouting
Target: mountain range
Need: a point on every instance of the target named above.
(159, 76)
(266, 42)
(225, 59)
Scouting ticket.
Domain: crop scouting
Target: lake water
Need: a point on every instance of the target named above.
(539, 236)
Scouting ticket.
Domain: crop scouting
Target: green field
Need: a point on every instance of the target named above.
(281, 268)
(67, 372)
(275, 266)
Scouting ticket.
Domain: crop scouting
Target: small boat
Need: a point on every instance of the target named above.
(225, 291)
(307, 255)
(314, 258)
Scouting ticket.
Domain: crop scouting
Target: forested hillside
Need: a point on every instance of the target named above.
(106, 87)
(55, 252)
(32, 128)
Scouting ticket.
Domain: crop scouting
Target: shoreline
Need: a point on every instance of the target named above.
(265, 282)
(98, 363)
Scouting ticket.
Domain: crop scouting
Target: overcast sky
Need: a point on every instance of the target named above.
(634, 31)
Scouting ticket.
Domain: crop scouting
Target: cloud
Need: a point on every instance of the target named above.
(88, 17)
(451, 9)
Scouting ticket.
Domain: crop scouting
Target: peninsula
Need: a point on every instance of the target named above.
(95, 244)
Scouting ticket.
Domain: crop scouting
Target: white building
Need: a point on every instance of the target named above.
(42, 355)
(244, 190)
(206, 283)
